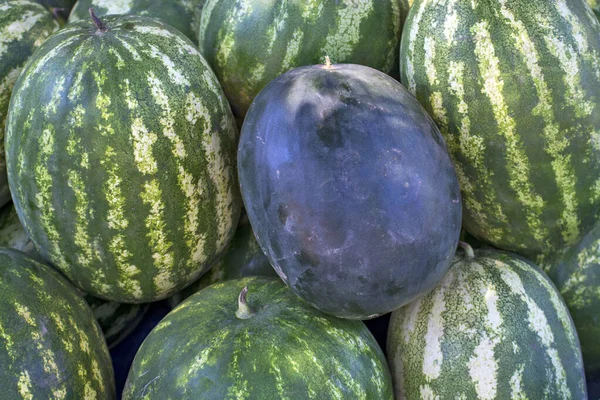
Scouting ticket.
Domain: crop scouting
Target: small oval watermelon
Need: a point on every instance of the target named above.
(494, 328)
(252, 338)
(349, 189)
(51, 346)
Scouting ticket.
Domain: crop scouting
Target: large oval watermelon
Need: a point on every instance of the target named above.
(50, 344)
(249, 43)
(24, 26)
(121, 158)
(349, 189)
(243, 257)
(116, 320)
(577, 277)
(495, 328)
(183, 15)
(513, 86)
(269, 345)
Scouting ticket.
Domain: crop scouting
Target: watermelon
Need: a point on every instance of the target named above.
(252, 338)
(494, 328)
(121, 158)
(116, 320)
(595, 5)
(513, 86)
(24, 25)
(51, 347)
(183, 15)
(243, 257)
(250, 42)
(577, 277)
(349, 188)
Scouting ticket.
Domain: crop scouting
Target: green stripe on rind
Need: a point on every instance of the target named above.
(285, 350)
(51, 346)
(88, 147)
(184, 15)
(514, 98)
(24, 25)
(577, 277)
(235, 35)
(503, 332)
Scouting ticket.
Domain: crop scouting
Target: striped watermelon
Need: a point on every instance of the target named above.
(495, 328)
(183, 15)
(577, 277)
(121, 157)
(243, 257)
(513, 86)
(349, 188)
(24, 26)
(595, 4)
(116, 320)
(269, 344)
(50, 345)
(250, 42)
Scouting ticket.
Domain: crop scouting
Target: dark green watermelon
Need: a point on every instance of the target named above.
(243, 257)
(577, 277)
(121, 158)
(495, 328)
(51, 346)
(349, 189)
(252, 338)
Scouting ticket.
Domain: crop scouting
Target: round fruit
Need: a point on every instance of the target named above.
(24, 25)
(495, 328)
(184, 15)
(50, 343)
(513, 86)
(121, 158)
(577, 277)
(243, 257)
(249, 43)
(349, 189)
(116, 320)
(268, 344)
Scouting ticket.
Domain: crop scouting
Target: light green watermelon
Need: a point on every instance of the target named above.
(250, 42)
(577, 277)
(252, 338)
(494, 328)
(121, 158)
(51, 347)
(184, 15)
(116, 320)
(243, 257)
(24, 26)
(513, 87)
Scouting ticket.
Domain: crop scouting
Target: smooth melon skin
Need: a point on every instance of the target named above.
(349, 189)
(577, 277)
(24, 26)
(494, 328)
(248, 43)
(243, 257)
(50, 343)
(183, 15)
(513, 87)
(121, 152)
(277, 348)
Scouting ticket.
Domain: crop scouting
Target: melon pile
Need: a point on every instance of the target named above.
(279, 171)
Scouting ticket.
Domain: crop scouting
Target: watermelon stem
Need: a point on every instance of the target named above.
(99, 24)
(243, 311)
(467, 248)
